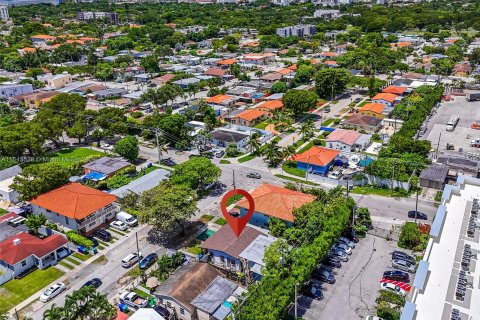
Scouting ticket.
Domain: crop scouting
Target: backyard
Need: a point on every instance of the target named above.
(17, 290)
(67, 156)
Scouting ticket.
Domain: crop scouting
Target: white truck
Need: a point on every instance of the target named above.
(133, 300)
(127, 218)
(452, 123)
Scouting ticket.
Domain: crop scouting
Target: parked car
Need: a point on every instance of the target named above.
(162, 311)
(132, 300)
(103, 235)
(325, 267)
(131, 259)
(323, 275)
(326, 110)
(127, 218)
(392, 287)
(119, 225)
(342, 255)
(332, 262)
(148, 261)
(343, 247)
(107, 146)
(95, 242)
(254, 175)
(53, 291)
(312, 290)
(346, 241)
(220, 154)
(420, 215)
(404, 256)
(396, 275)
(370, 317)
(95, 282)
(352, 235)
(403, 265)
(168, 162)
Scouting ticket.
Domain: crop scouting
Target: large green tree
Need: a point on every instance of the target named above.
(167, 206)
(196, 173)
(127, 148)
(330, 82)
(299, 101)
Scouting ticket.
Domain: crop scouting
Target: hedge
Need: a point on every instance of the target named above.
(79, 239)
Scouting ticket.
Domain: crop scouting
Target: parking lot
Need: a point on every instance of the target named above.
(357, 284)
(469, 112)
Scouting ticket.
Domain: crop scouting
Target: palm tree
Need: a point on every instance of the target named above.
(288, 152)
(272, 153)
(253, 144)
(306, 129)
(54, 313)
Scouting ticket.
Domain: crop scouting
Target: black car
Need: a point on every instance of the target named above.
(103, 235)
(332, 262)
(220, 154)
(323, 275)
(95, 282)
(95, 242)
(352, 235)
(420, 215)
(148, 261)
(168, 162)
(162, 311)
(396, 275)
(254, 175)
(325, 267)
(403, 256)
(312, 290)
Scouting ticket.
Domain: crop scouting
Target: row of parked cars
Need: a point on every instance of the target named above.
(398, 280)
(324, 272)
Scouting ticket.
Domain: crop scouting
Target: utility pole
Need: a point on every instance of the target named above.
(393, 173)
(347, 187)
(308, 168)
(416, 202)
(158, 145)
(296, 284)
(234, 187)
(438, 145)
(138, 255)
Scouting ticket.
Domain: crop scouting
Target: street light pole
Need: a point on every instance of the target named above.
(416, 202)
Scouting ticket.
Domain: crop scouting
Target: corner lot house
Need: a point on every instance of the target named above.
(224, 247)
(222, 138)
(316, 160)
(23, 252)
(273, 201)
(76, 207)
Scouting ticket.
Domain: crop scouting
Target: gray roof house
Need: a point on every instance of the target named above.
(212, 298)
(107, 166)
(142, 184)
(223, 138)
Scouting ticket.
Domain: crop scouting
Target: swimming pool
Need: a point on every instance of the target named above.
(205, 235)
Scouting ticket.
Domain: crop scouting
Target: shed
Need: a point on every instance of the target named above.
(434, 176)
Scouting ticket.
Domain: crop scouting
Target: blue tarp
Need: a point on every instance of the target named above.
(95, 176)
(328, 129)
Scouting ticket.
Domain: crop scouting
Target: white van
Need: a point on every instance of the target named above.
(127, 218)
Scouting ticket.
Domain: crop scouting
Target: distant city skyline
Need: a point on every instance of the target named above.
(27, 2)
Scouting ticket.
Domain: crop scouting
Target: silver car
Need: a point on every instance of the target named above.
(403, 265)
(347, 242)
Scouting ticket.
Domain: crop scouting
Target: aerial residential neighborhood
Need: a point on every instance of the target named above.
(226, 159)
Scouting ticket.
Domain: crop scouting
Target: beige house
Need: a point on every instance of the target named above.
(60, 80)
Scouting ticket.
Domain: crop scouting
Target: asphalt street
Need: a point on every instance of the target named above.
(110, 273)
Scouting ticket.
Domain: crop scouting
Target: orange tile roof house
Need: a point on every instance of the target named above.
(315, 160)
(23, 252)
(227, 62)
(76, 207)
(395, 90)
(343, 140)
(273, 201)
(385, 98)
(248, 117)
(222, 99)
(373, 110)
(42, 38)
(270, 106)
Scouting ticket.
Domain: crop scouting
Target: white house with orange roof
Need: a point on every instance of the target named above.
(387, 99)
(273, 201)
(76, 207)
(373, 110)
(258, 59)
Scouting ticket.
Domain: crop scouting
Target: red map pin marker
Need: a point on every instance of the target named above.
(237, 224)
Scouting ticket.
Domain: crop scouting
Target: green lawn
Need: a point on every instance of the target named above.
(247, 158)
(290, 167)
(233, 199)
(224, 161)
(69, 259)
(68, 156)
(3, 212)
(143, 294)
(66, 265)
(206, 218)
(307, 146)
(277, 139)
(295, 179)
(299, 143)
(221, 221)
(327, 122)
(385, 192)
(83, 257)
(17, 290)
(261, 125)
